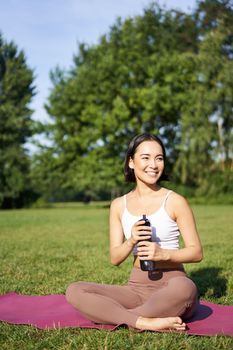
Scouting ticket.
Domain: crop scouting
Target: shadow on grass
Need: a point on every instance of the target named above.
(209, 282)
(202, 312)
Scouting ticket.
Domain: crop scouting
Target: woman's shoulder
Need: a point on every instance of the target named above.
(117, 204)
(177, 199)
(175, 195)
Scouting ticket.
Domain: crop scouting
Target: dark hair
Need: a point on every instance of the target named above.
(135, 142)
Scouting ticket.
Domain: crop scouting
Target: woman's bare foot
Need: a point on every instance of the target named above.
(158, 324)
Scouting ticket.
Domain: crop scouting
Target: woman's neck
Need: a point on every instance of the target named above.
(142, 190)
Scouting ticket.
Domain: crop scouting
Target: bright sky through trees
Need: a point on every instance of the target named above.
(49, 31)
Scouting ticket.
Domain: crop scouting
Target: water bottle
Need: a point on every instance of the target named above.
(147, 265)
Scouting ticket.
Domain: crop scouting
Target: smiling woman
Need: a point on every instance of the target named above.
(162, 297)
(141, 144)
(148, 161)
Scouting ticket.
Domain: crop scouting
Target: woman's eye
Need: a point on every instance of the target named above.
(160, 159)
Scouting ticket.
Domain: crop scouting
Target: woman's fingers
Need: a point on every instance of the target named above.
(140, 232)
(146, 250)
(143, 249)
(144, 244)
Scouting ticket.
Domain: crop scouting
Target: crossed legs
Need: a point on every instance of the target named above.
(116, 304)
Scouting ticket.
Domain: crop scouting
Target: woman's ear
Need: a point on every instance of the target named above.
(131, 163)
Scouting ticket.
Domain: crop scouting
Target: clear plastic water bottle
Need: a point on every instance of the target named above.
(147, 265)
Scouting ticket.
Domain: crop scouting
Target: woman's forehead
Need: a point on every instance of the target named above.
(149, 147)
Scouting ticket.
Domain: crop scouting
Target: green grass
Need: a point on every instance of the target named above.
(43, 250)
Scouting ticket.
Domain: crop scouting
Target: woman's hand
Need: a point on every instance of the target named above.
(140, 232)
(149, 251)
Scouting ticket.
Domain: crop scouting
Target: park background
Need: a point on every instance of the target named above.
(162, 70)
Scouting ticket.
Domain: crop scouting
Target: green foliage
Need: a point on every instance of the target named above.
(117, 89)
(208, 144)
(222, 181)
(162, 72)
(44, 250)
(16, 125)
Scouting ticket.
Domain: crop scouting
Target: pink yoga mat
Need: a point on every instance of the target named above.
(52, 311)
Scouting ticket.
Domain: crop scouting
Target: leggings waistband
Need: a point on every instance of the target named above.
(151, 277)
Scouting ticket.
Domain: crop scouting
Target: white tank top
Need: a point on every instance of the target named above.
(165, 231)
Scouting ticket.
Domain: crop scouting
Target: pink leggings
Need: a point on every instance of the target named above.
(161, 293)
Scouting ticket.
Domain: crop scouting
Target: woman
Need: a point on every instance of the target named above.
(152, 300)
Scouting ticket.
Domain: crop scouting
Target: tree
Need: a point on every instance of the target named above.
(207, 120)
(160, 72)
(16, 127)
(134, 80)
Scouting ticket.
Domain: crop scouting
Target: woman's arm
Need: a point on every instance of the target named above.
(192, 251)
(179, 209)
(119, 249)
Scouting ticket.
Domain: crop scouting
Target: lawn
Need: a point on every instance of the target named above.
(43, 250)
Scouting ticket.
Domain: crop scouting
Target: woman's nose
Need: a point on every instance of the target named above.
(153, 163)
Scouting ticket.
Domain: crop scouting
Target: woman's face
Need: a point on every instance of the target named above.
(148, 162)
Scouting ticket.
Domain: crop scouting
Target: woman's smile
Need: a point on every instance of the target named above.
(152, 173)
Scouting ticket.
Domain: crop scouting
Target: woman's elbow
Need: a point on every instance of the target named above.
(199, 256)
(114, 261)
